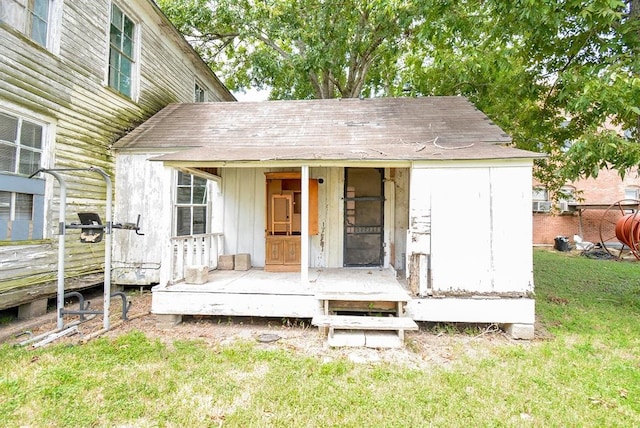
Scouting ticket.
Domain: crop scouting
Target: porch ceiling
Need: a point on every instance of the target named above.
(378, 129)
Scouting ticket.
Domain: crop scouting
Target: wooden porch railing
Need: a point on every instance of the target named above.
(194, 250)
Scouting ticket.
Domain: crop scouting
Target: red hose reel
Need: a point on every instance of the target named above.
(625, 216)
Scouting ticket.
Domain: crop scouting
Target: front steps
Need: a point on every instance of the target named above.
(383, 331)
(371, 332)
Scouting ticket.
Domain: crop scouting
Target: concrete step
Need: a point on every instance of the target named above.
(355, 322)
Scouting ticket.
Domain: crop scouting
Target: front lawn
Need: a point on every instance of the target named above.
(587, 373)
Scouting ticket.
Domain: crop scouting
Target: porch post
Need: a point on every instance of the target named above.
(304, 226)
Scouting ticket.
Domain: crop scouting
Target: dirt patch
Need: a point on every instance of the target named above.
(432, 345)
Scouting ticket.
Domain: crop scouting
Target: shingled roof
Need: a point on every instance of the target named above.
(338, 129)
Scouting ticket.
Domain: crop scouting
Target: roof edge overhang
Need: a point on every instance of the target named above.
(430, 163)
(286, 163)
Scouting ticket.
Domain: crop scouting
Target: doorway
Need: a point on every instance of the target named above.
(363, 217)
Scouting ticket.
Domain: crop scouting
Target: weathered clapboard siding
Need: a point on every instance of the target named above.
(495, 213)
(67, 89)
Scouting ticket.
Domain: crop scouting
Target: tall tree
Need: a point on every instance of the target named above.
(552, 73)
(296, 48)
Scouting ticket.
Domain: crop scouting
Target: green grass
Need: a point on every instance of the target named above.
(587, 374)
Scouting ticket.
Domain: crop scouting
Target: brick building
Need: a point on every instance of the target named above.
(583, 215)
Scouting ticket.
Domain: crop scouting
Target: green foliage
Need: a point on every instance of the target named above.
(551, 73)
(297, 48)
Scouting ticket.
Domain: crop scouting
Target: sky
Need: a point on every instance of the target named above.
(251, 95)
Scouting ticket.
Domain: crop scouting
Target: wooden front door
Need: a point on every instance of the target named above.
(363, 216)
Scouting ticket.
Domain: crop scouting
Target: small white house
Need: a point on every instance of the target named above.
(426, 189)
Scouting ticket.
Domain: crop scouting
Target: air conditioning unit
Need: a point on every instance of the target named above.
(541, 206)
(563, 206)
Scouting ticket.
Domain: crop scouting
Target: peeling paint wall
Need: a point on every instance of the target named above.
(471, 224)
(66, 88)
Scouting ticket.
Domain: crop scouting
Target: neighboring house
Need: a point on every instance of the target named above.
(584, 213)
(75, 75)
(426, 187)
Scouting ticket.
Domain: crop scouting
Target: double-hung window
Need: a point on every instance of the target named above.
(632, 192)
(199, 93)
(30, 17)
(121, 52)
(21, 197)
(191, 205)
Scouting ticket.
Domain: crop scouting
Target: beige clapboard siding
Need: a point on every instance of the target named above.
(19, 266)
(69, 89)
(84, 40)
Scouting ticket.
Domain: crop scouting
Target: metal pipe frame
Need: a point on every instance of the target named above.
(61, 240)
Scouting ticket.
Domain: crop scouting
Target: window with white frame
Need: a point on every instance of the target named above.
(21, 197)
(632, 192)
(540, 194)
(540, 199)
(121, 52)
(199, 93)
(30, 17)
(191, 205)
(568, 193)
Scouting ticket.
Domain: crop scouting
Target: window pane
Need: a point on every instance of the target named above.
(184, 195)
(631, 193)
(31, 135)
(39, 31)
(8, 128)
(24, 207)
(116, 16)
(41, 8)
(29, 161)
(115, 37)
(184, 179)
(125, 76)
(199, 195)
(128, 28)
(39, 18)
(540, 194)
(199, 219)
(5, 205)
(183, 221)
(113, 78)
(7, 157)
(127, 47)
(198, 181)
(198, 94)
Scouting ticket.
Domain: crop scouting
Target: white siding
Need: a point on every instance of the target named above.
(244, 195)
(474, 222)
(149, 194)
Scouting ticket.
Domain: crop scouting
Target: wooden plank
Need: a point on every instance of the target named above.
(353, 322)
(364, 297)
(363, 306)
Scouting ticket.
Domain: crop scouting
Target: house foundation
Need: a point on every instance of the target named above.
(32, 309)
(167, 321)
(520, 331)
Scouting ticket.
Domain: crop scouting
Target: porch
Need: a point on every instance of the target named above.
(255, 292)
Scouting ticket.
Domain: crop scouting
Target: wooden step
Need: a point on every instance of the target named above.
(355, 322)
(389, 302)
(363, 326)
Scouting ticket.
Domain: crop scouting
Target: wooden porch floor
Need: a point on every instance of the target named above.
(270, 294)
(324, 280)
